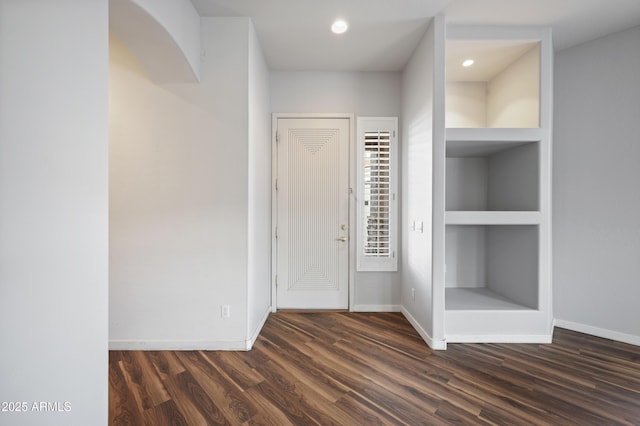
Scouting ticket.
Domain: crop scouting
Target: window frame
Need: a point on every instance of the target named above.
(377, 263)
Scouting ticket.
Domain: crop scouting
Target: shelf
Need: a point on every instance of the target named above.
(487, 142)
(492, 176)
(478, 299)
(455, 134)
(499, 260)
(492, 218)
(501, 90)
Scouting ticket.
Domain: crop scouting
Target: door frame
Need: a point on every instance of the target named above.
(352, 193)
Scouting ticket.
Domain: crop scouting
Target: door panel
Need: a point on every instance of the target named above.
(313, 214)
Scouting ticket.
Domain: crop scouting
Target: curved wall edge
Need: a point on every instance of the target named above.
(164, 36)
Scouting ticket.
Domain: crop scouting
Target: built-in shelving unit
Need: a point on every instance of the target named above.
(497, 186)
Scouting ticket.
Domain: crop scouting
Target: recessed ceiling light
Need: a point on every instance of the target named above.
(468, 63)
(339, 26)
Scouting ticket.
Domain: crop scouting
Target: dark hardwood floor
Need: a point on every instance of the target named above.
(367, 369)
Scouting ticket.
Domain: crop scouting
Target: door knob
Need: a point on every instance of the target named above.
(341, 239)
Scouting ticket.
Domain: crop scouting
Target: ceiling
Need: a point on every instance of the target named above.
(295, 34)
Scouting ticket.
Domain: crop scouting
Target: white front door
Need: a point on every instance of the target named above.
(313, 213)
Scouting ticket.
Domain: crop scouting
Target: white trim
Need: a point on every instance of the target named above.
(545, 240)
(433, 344)
(253, 336)
(492, 218)
(274, 212)
(495, 135)
(177, 345)
(499, 338)
(495, 32)
(189, 345)
(377, 308)
(438, 179)
(598, 332)
(352, 212)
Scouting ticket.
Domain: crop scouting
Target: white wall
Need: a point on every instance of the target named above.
(417, 159)
(164, 35)
(512, 263)
(466, 256)
(182, 21)
(362, 93)
(466, 104)
(179, 198)
(53, 210)
(259, 197)
(513, 95)
(596, 176)
(467, 183)
(514, 179)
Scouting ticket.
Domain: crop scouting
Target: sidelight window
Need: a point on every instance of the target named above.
(377, 193)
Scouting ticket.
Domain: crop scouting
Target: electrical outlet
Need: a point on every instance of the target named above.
(226, 311)
(413, 294)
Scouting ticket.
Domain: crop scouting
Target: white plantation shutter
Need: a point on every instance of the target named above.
(376, 193)
(377, 176)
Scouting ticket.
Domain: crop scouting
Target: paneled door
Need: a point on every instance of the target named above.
(312, 246)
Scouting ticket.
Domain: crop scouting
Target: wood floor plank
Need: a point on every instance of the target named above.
(192, 401)
(230, 366)
(453, 415)
(166, 413)
(404, 376)
(305, 372)
(165, 363)
(326, 368)
(143, 381)
(123, 409)
(527, 389)
(497, 400)
(282, 395)
(391, 337)
(268, 413)
(373, 387)
(228, 399)
(320, 410)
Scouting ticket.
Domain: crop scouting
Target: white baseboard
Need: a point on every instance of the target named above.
(256, 332)
(176, 345)
(433, 344)
(189, 345)
(598, 332)
(499, 338)
(377, 308)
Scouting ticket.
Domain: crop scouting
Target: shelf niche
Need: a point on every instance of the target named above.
(501, 177)
(500, 90)
(491, 267)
